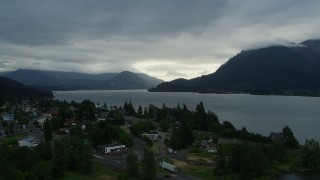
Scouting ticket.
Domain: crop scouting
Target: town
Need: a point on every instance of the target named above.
(45, 138)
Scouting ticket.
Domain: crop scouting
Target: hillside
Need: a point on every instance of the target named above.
(270, 70)
(10, 89)
(56, 80)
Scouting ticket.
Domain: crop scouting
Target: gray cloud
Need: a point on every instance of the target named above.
(167, 38)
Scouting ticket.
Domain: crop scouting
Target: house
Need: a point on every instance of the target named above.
(42, 119)
(101, 119)
(29, 142)
(176, 125)
(152, 136)
(112, 148)
(276, 136)
(7, 117)
(70, 121)
(52, 112)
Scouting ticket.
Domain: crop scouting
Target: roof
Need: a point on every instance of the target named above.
(30, 139)
(110, 145)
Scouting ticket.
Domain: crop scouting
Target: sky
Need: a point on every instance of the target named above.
(167, 39)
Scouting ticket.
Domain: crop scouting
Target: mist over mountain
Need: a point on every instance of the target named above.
(56, 80)
(270, 70)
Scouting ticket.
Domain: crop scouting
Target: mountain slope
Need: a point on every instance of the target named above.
(271, 70)
(56, 80)
(129, 80)
(10, 89)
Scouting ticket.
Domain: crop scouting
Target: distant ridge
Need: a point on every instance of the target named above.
(10, 89)
(57, 80)
(270, 70)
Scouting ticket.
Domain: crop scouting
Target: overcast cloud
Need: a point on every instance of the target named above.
(164, 38)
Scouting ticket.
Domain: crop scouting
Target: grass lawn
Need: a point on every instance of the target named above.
(203, 172)
(13, 139)
(100, 172)
(17, 136)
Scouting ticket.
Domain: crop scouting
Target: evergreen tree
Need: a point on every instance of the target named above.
(86, 111)
(149, 165)
(44, 151)
(131, 109)
(140, 112)
(47, 130)
(175, 140)
(311, 154)
(288, 138)
(132, 164)
(60, 160)
(185, 134)
(221, 162)
(200, 118)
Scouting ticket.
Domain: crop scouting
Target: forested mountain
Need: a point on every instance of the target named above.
(56, 80)
(270, 70)
(10, 89)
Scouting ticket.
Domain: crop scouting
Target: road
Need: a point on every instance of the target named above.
(139, 146)
(32, 130)
(113, 161)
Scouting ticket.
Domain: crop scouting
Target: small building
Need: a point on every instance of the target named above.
(276, 136)
(101, 119)
(71, 121)
(168, 166)
(112, 149)
(8, 117)
(152, 136)
(53, 111)
(42, 119)
(29, 142)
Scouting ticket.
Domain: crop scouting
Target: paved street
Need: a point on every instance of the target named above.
(116, 161)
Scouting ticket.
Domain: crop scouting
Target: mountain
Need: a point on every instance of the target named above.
(56, 80)
(10, 89)
(271, 70)
(129, 80)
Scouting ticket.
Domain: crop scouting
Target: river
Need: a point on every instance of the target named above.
(261, 114)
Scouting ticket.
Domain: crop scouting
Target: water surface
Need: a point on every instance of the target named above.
(262, 114)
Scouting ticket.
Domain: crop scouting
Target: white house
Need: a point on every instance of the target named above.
(112, 148)
(42, 119)
(29, 142)
(152, 136)
(8, 117)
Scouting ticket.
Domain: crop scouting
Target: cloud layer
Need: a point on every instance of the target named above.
(168, 38)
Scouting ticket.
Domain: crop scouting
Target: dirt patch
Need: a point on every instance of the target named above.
(199, 159)
(180, 164)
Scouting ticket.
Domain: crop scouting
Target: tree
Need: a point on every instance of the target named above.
(140, 112)
(228, 130)
(47, 130)
(288, 138)
(131, 111)
(79, 154)
(175, 140)
(60, 160)
(311, 154)
(200, 118)
(118, 118)
(149, 165)
(221, 162)
(44, 151)
(101, 133)
(132, 164)
(185, 134)
(42, 169)
(164, 125)
(86, 111)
